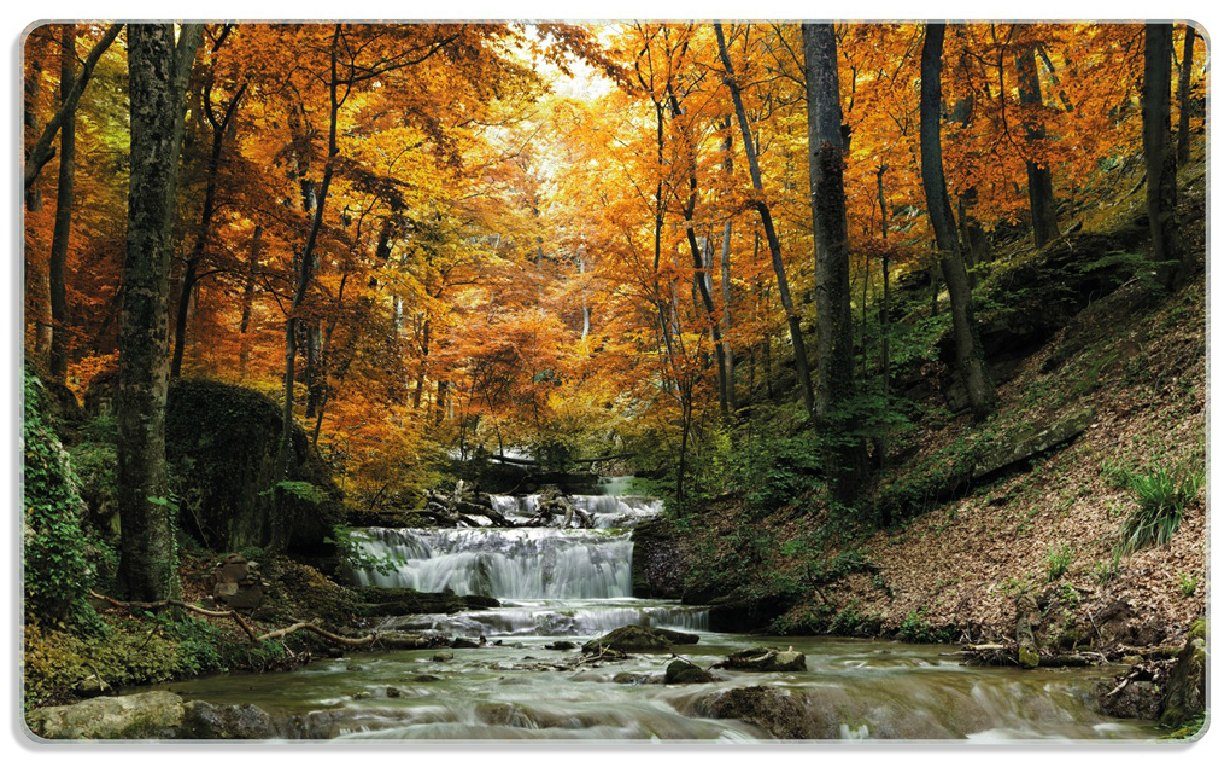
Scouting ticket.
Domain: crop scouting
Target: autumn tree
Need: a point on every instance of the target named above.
(802, 365)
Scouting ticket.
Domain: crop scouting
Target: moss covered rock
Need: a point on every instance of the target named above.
(223, 446)
(148, 715)
(684, 672)
(781, 713)
(1184, 699)
(640, 638)
(761, 659)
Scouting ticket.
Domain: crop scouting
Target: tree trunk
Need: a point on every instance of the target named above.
(702, 282)
(971, 367)
(1162, 189)
(33, 84)
(219, 130)
(303, 277)
(41, 152)
(802, 366)
(1185, 95)
(62, 230)
(249, 289)
(831, 247)
(156, 73)
(885, 303)
(1041, 189)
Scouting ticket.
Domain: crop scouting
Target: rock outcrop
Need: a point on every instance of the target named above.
(1184, 699)
(223, 449)
(150, 715)
(659, 560)
(203, 720)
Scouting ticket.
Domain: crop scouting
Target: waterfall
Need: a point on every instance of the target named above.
(522, 563)
(617, 510)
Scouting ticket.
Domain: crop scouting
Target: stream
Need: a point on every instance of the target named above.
(557, 583)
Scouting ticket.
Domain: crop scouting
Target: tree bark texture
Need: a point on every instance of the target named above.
(971, 366)
(147, 568)
(1160, 159)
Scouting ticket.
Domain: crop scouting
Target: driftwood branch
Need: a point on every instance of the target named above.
(154, 606)
(391, 640)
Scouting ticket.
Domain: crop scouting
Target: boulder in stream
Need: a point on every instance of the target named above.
(765, 660)
(781, 713)
(684, 672)
(203, 720)
(640, 638)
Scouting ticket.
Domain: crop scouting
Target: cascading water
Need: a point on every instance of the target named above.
(557, 583)
(522, 563)
(554, 580)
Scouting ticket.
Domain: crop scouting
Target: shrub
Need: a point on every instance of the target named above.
(916, 630)
(1161, 496)
(778, 470)
(57, 572)
(1188, 585)
(1058, 559)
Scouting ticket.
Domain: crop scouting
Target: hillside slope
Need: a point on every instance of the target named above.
(1102, 383)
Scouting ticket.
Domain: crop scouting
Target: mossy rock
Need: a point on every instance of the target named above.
(1184, 699)
(684, 672)
(781, 713)
(764, 660)
(640, 638)
(223, 447)
(148, 715)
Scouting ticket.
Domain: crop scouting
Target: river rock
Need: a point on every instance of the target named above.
(1135, 696)
(203, 720)
(640, 638)
(684, 672)
(561, 646)
(637, 678)
(780, 713)
(1184, 699)
(762, 659)
(148, 715)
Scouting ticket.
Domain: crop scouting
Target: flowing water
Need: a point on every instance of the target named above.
(576, 584)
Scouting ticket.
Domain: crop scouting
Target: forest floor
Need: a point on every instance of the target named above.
(963, 566)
